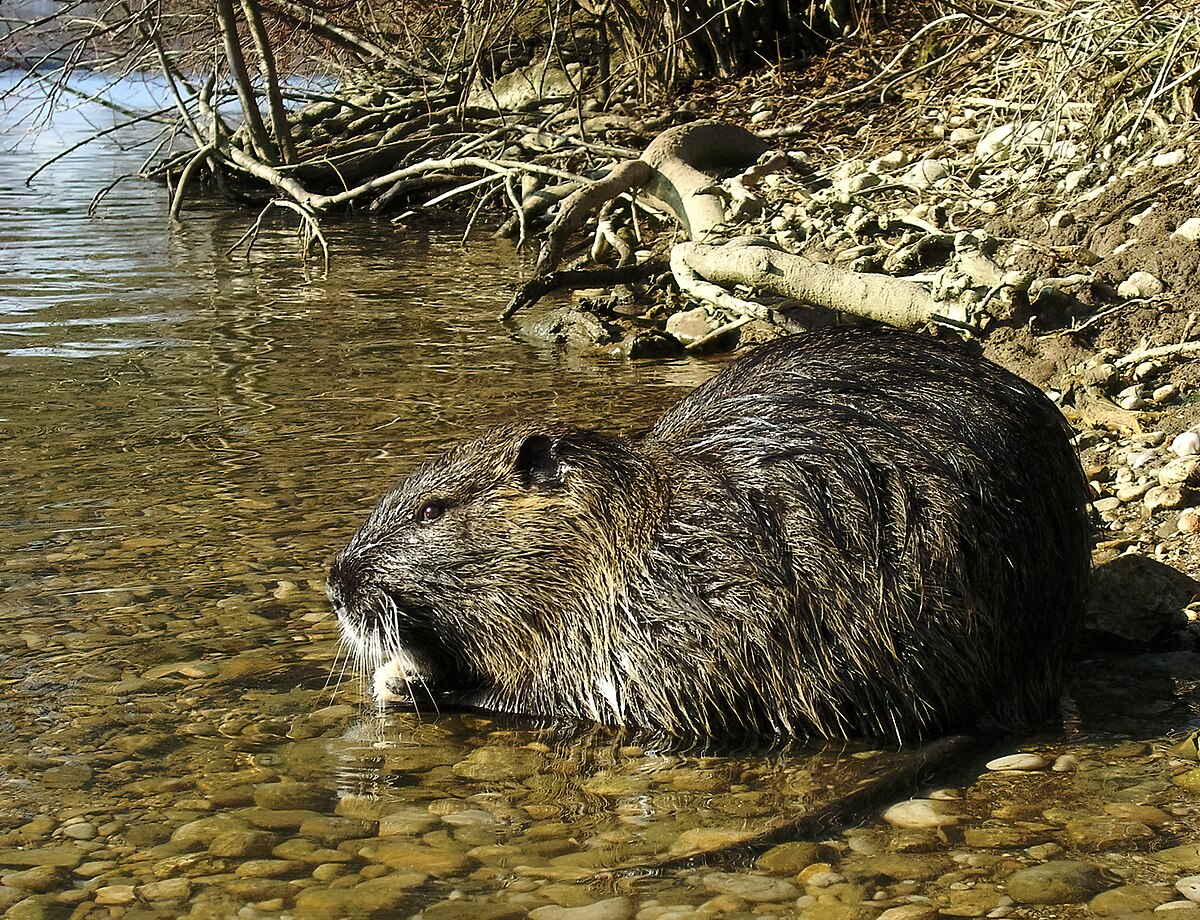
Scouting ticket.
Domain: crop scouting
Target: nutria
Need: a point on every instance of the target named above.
(854, 531)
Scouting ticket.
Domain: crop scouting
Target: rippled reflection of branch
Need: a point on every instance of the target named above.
(310, 231)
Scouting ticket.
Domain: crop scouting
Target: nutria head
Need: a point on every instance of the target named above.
(464, 586)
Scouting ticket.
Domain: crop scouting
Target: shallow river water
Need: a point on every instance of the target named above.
(186, 438)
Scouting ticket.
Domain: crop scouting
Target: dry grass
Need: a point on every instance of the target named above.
(1108, 74)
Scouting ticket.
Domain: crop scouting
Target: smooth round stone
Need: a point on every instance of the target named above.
(971, 902)
(331, 831)
(790, 858)
(909, 912)
(1189, 780)
(292, 795)
(1106, 832)
(1129, 899)
(169, 889)
(1008, 838)
(408, 822)
(80, 831)
(115, 895)
(40, 827)
(364, 899)
(1147, 814)
(203, 831)
(271, 819)
(698, 840)
(1065, 763)
(920, 813)
(753, 888)
(1060, 882)
(37, 880)
(608, 909)
(472, 817)
(29, 909)
(254, 890)
(1186, 444)
(1186, 856)
(408, 856)
(270, 868)
(67, 776)
(1189, 887)
(1018, 762)
(500, 763)
(472, 909)
(896, 867)
(235, 844)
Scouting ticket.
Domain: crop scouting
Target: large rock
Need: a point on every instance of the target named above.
(1062, 881)
(1136, 601)
(523, 88)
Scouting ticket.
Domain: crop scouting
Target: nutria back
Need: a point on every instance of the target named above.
(855, 531)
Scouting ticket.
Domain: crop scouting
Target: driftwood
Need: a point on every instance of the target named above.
(686, 171)
(870, 296)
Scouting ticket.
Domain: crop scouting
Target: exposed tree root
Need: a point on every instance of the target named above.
(539, 286)
(877, 297)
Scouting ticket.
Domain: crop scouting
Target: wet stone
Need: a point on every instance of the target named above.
(1018, 763)
(474, 909)
(37, 880)
(971, 902)
(897, 867)
(80, 831)
(203, 831)
(69, 856)
(752, 888)
(1189, 780)
(1008, 838)
(1059, 882)
(238, 843)
(271, 868)
(1107, 832)
(148, 834)
(170, 889)
(1129, 899)
(920, 813)
(1146, 814)
(278, 819)
(405, 855)
(607, 909)
(704, 839)
(67, 776)
(288, 796)
(115, 895)
(790, 858)
(500, 763)
(29, 909)
(305, 851)
(331, 831)
(257, 889)
(1189, 887)
(909, 912)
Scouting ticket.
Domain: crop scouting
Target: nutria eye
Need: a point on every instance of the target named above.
(431, 511)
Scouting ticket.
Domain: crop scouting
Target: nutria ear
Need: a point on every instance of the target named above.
(539, 465)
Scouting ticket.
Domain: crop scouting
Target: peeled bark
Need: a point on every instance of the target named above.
(877, 297)
(680, 172)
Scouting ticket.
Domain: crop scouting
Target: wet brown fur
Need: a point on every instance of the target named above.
(857, 531)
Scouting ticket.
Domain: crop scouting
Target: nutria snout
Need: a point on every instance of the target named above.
(856, 531)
